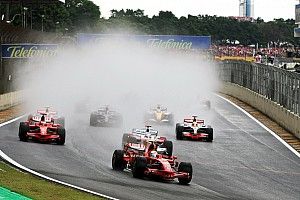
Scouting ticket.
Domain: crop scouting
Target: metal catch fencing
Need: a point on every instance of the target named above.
(279, 85)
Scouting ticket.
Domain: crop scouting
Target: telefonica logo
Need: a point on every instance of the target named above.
(169, 44)
(20, 51)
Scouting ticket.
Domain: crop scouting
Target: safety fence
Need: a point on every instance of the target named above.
(10, 70)
(276, 84)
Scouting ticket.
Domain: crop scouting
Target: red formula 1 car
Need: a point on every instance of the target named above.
(50, 114)
(151, 161)
(42, 128)
(194, 129)
(142, 135)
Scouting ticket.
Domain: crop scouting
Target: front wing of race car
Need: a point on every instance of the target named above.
(43, 137)
(42, 132)
(167, 175)
(159, 121)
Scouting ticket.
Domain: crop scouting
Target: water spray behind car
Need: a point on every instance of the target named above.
(125, 75)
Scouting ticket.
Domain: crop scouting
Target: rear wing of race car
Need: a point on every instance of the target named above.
(190, 120)
(144, 132)
(46, 112)
(38, 118)
(137, 147)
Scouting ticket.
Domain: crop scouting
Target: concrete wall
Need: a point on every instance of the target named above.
(282, 116)
(10, 99)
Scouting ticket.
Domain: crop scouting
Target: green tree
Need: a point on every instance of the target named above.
(84, 14)
(53, 18)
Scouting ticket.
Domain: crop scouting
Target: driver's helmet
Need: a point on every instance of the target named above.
(148, 129)
(194, 124)
(153, 154)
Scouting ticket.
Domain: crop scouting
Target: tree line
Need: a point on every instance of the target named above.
(84, 16)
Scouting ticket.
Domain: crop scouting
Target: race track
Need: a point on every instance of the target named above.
(243, 162)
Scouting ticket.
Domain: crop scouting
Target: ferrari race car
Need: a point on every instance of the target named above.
(42, 128)
(194, 129)
(159, 115)
(105, 117)
(46, 113)
(140, 136)
(150, 160)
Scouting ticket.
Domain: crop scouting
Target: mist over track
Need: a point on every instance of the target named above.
(243, 162)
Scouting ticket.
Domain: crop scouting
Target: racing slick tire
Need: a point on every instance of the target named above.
(179, 130)
(169, 146)
(125, 139)
(62, 136)
(93, 120)
(117, 160)
(23, 130)
(29, 117)
(60, 121)
(185, 167)
(210, 133)
(139, 167)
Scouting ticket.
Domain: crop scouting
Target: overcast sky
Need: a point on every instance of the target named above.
(266, 9)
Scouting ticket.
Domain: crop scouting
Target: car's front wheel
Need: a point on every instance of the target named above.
(169, 146)
(179, 131)
(62, 136)
(210, 133)
(23, 130)
(139, 167)
(93, 120)
(185, 167)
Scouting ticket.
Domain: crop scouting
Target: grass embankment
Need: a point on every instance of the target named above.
(37, 188)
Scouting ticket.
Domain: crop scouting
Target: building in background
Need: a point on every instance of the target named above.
(297, 20)
(246, 8)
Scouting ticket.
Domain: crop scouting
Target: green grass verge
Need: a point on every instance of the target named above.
(37, 188)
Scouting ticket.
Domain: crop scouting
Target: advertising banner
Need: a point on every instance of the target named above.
(180, 42)
(28, 50)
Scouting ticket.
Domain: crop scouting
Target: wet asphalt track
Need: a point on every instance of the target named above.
(243, 162)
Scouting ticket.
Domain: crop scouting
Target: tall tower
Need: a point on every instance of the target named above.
(242, 8)
(250, 8)
(297, 20)
(246, 8)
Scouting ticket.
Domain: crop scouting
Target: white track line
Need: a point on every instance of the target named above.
(262, 125)
(12, 120)
(14, 163)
